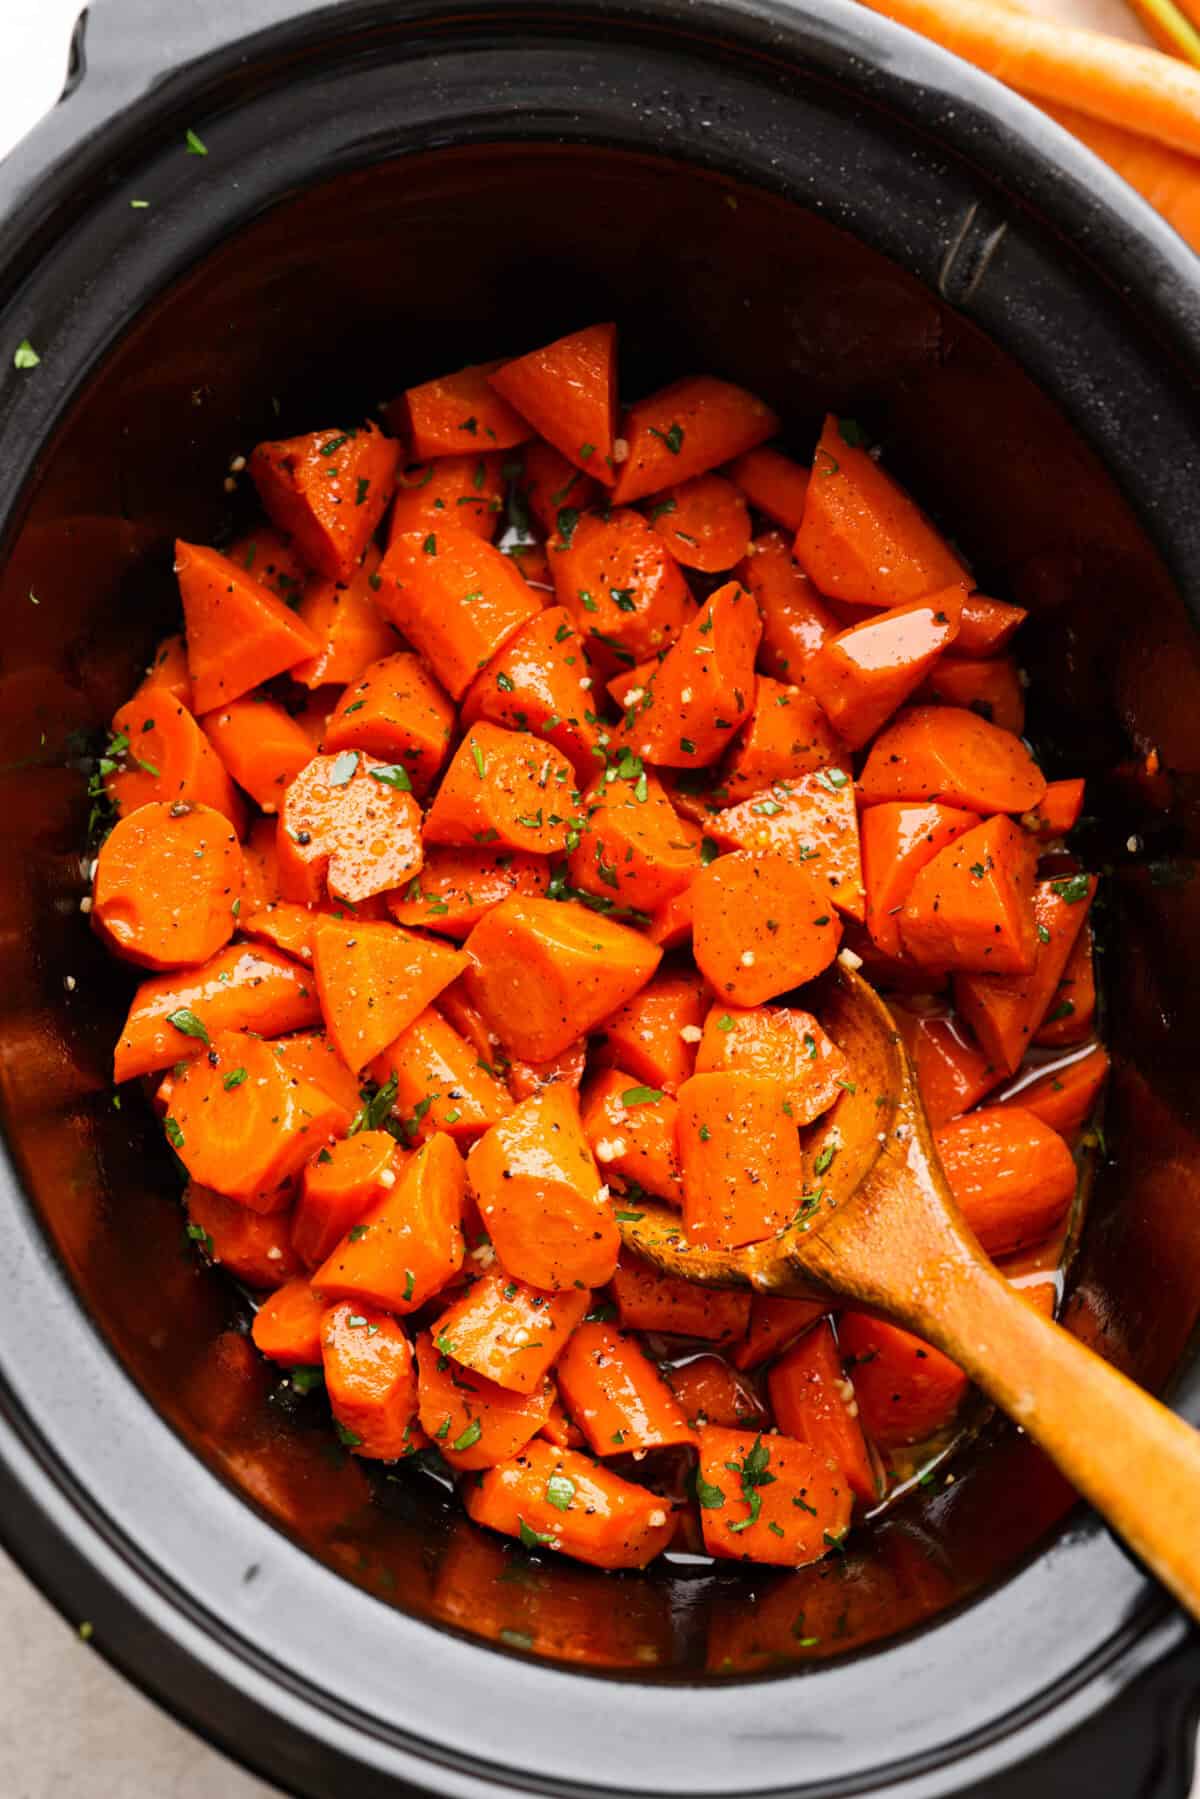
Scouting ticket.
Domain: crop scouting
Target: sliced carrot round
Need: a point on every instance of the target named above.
(761, 925)
(168, 882)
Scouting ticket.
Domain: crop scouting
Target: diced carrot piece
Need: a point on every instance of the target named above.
(440, 1084)
(550, 484)
(254, 1247)
(786, 736)
(328, 491)
(671, 925)
(617, 1395)
(285, 926)
(544, 972)
(622, 587)
(168, 672)
(769, 1498)
(795, 619)
(943, 753)
(312, 1057)
(395, 710)
(1072, 1011)
(953, 1074)
(474, 1422)
(370, 1380)
(346, 623)
(1013, 1177)
(505, 787)
(564, 1070)
(163, 755)
(991, 688)
(704, 523)
(1006, 1011)
(704, 688)
(167, 885)
(811, 820)
(1058, 811)
(986, 625)
(457, 886)
(287, 1326)
(238, 633)
(654, 1035)
(349, 823)
(261, 747)
(272, 558)
(862, 539)
(374, 980)
(634, 844)
(781, 1043)
(340, 1185)
(410, 1244)
(458, 414)
(464, 490)
(568, 392)
(1064, 1096)
(971, 908)
(906, 1389)
(897, 842)
(813, 1402)
(631, 1131)
(572, 1504)
(743, 1174)
(536, 684)
(865, 673)
(687, 429)
(649, 1301)
(761, 925)
(711, 1392)
(456, 598)
(772, 483)
(241, 989)
(774, 1323)
(509, 1332)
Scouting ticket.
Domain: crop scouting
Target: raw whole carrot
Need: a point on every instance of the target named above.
(786, 736)
(348, 822)
(1073, 1006)
(617, 1395)
(655, 1034)
(540, 682)
(509, 1332)
(769, 1498)
(1065, 1095)
(862, 539)
(634, 846)
(704, 689)
(474, 1422)
(564, 1070)
(971, 907)
(455, 598)
(704, 523)
(545, 972)
(1058, 811)
(374, 980)
(457, 886)
(168, 884)
(328, 492)
(814, 1402)
(906, 1389)
(953, 1074)
(409, 1245)
(341, 1184)
(287, 1326)
(158, 752)
(243, 988)
(774, 1323)
(783, 1044)
(687, 429)
(550, 485)
(1013, 1177)
(1165, 177)
(1006, 1011)
(466, 490)
(568, 1502)
(773, 484)
(671, 925)
(861, 676)
(262, 748)
(943, 753)
(743, 1175)
(238, 633)
(622, 587)
(395, 710)
(273, 558)
(898, 840)
(168, 672)
(990, 687)
(631, 1130)
(649, 1301)
(346, 624)
(811, 819)
(795, 619)
(254, 1247)
(985, 626)
(760, 926)
(370, 1380)
(568, 393)
(711, 1392)
(509, 788)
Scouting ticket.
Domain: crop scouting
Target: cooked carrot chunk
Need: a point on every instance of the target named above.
(474, 1422)
(810, 819)
(395, 710)
(622, 587)
(241, 989)
(341, 1184)
(633, 844)
(287, 1326)
(769, 1498)
(866, 672)
(616, 1394)
(773, 483)
(786, 736)
(704, 523)
(743, 1174)
(455, 598)
(254, 1247)
(347, 625)
(466, 490)
(761, 925)
(1073, 1006)
(327, 491)
(458, 414)
(410, 1244)
(348, 822)
(540, 682)
(703, 690)
(1006, 1011)
(972, 906)
(504, 787)
(631, 1130)
(159, 753)
(1064, 1096)
(1013, 1177)
(710, 1391)
(781, 1042)
(374, 980)
(897, 842)
(568, 393)
(943, 753)
(441, 1084)
(795, 619)
(991, 688)
(238, 633)
(650, 1301)
(685, 430)
(457, 885)
(370, 1380)
(654, 1035)
(167, 886)
(508, 1331)
(262, 747)
(906, 1389)
(814, 1402)
(568, 1502)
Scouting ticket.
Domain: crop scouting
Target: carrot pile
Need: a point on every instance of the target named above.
(477, 841)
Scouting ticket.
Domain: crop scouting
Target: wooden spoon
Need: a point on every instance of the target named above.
(887, 1234)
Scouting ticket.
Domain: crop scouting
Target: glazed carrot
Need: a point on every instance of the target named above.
(711, 1392)
(410, 1243)
(159, 752)
(241, 989)
(168, 671)
(781, 1043)
(536, 683)
(370, 1380)
(273, 558)
(254, 1247)
(772, 483)
(863, 674)
(328, 491)
(466, 490)
(348, 822)
(545, 972)
(1006, 1011)
(1013, 1177)
(440, 1084)
(568, 393)
(811, 819)
(743, 1175)
(1167, 178)
(814, 1403)
(509, 1332)
(943, 753)
(474, 1422)
(786, 735)
(634, 846)
(455, 598)
(168, 884)
(906, 1390)
(1064, 1096)
(795, 620)
(341, 1184)
(238, 633)
(284, 926)
(649, 1301)
(457, 414)
(509, 788)
(769, 1498)
(704, 688)
(262, 748)
(671, 925)
(1073, 1006)
(395, 710)
(616, 577)
(761, 925)
(898, 840)
(617, 1395)
(287, 1326)
(654, 1035)
(346, 624)
(551, 484)
(568, 1502)
(374, 980)
(704, 523)
(687, 429)
(564, 1070)
(985, 626)
(1058, 811)
(240, 1121)
(774, 1323)
(560, 1430)
(311, 1056)
(991, 688)
(971, 907)
(862, 539)
(456, 886)
(631, 1130)
(953, 1074)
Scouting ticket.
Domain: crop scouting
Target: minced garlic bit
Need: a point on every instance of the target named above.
(69, 982)
(237, 464)
(848, 959)
(634, 697)
(387, 1178)
(609, 1148)
(747, 958)
(85, 904)
(620, 449)
(691, 1033)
